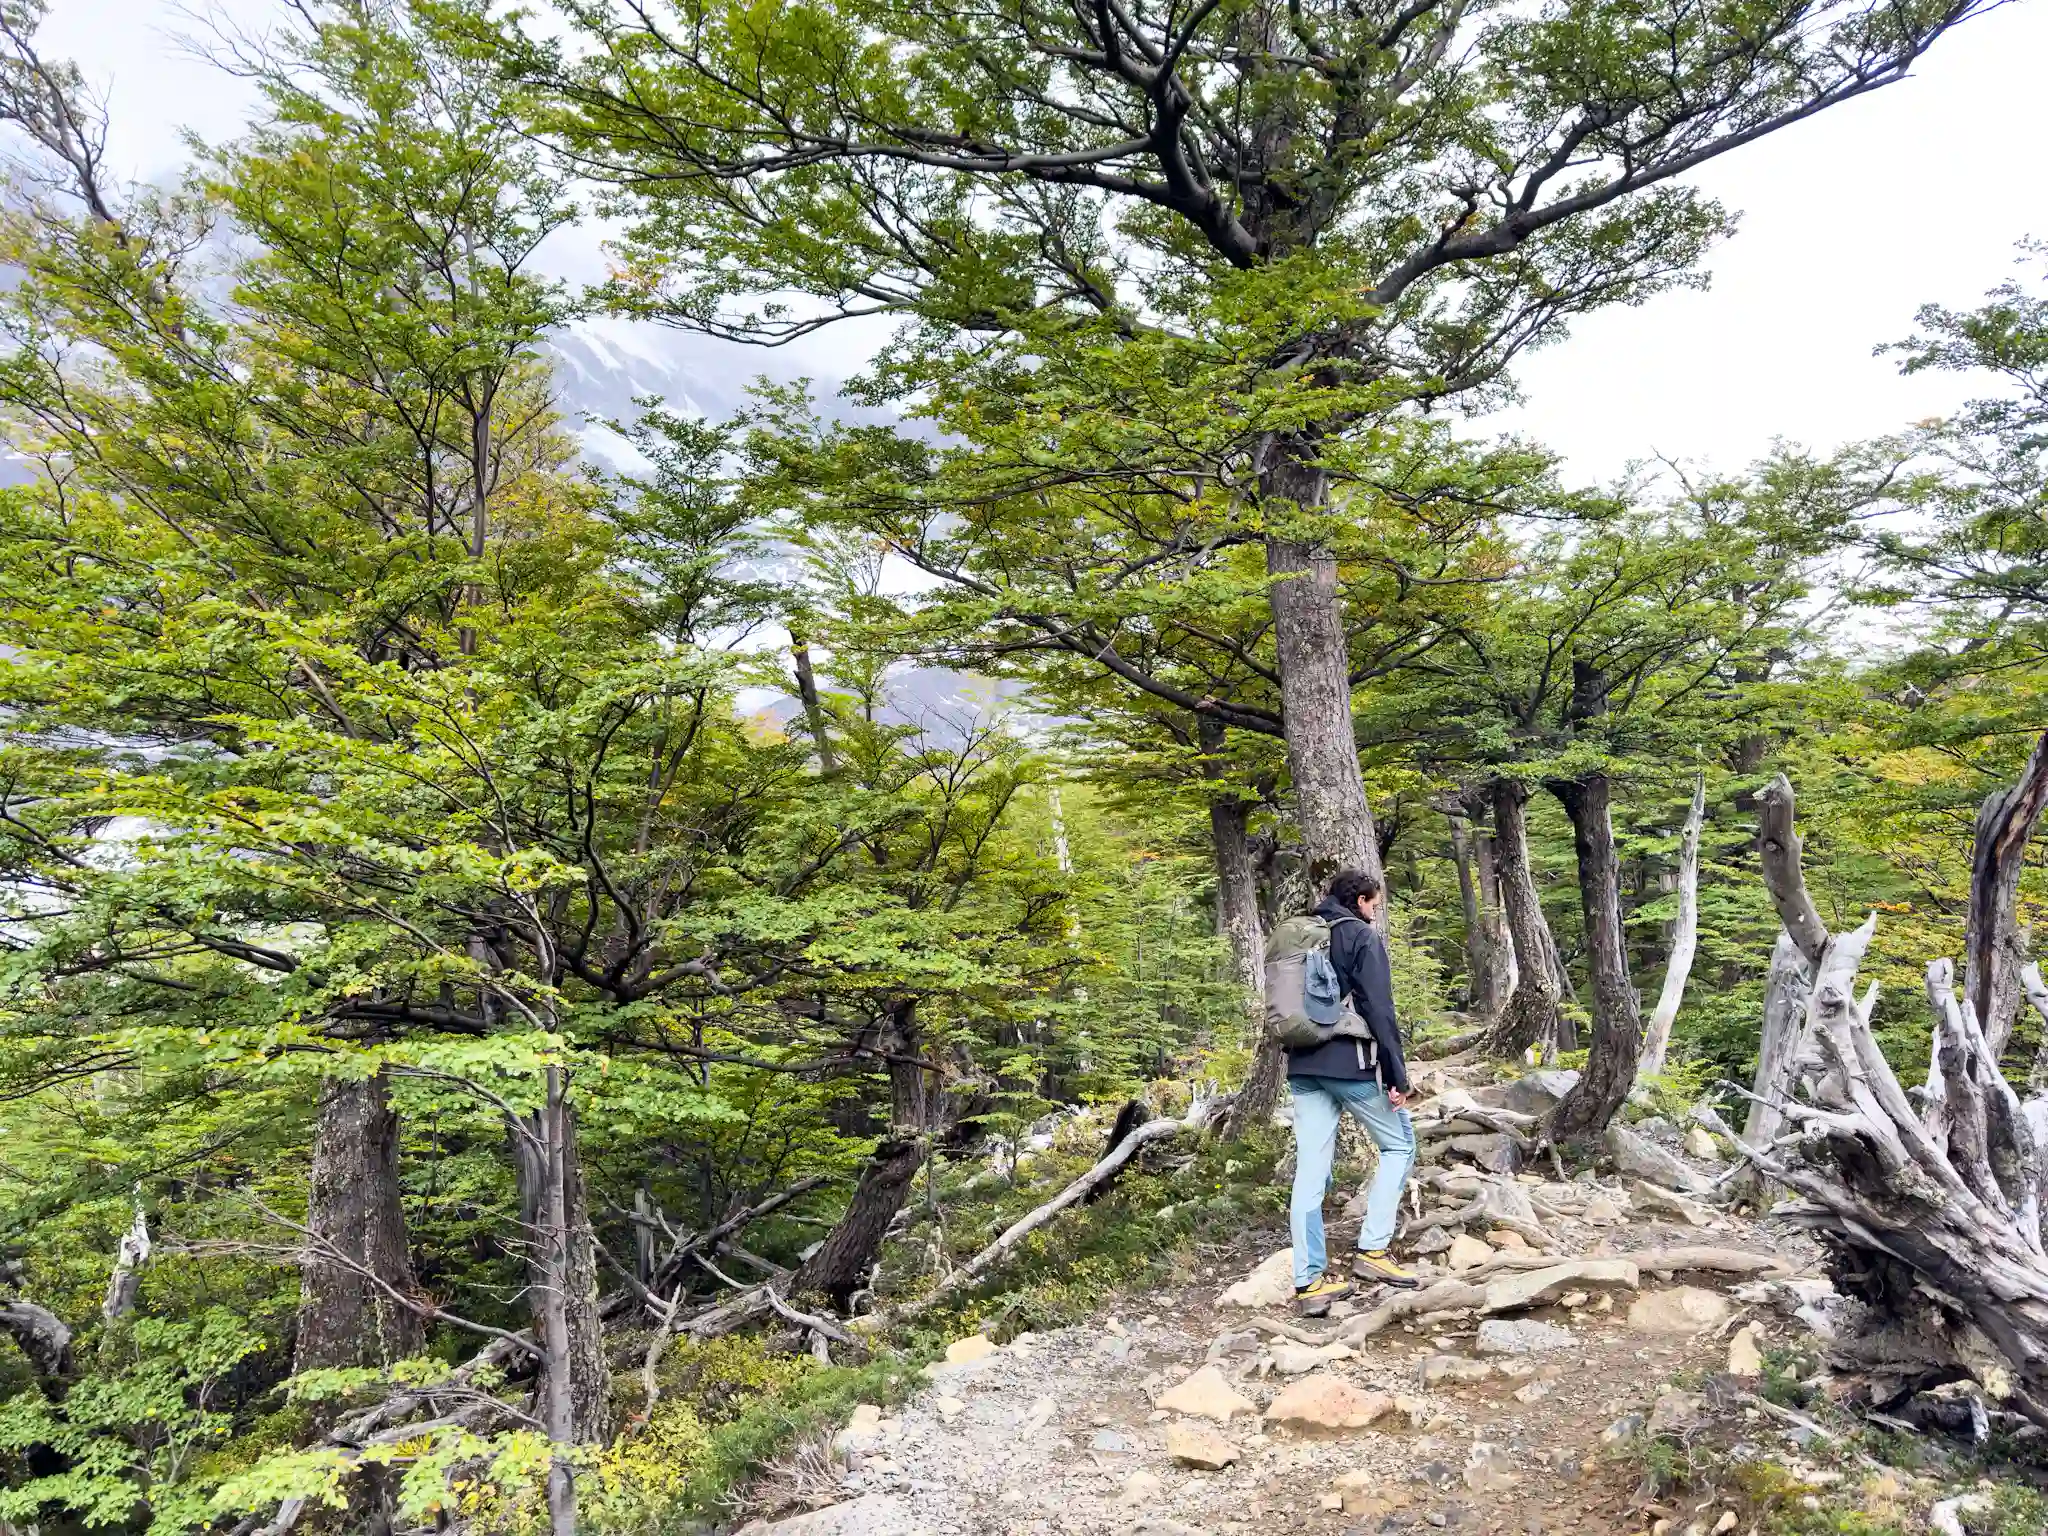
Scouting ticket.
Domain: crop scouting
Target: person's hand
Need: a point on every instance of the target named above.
(1397, 1098)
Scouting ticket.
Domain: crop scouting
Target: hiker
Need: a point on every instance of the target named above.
(1356, 1068)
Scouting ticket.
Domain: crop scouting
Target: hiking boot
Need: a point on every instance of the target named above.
(1378, 1264)
(1313, 1299)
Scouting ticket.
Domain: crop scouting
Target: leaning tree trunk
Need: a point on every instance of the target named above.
(843, 1263)
(1995, 948)
(1315, 670)
(561, 1283)
(353, 1208)
(815, 719)
(1685, 939)
(1531, 1013)
(1583, 1113)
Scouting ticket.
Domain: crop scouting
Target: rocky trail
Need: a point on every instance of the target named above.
(1556, 1322)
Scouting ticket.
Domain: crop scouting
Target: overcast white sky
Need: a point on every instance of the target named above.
(1850, 222)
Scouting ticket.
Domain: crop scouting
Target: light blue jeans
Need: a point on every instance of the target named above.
(1319, 1102)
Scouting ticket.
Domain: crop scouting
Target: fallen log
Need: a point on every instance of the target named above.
(1444, 1047)
(1198, 1118)
(1664, 1262)
(1444, 1296)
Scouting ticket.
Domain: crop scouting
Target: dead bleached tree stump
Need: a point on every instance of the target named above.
(1931, 1213)
(1929, 1203)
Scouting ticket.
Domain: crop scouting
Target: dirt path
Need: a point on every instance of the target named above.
(1060, 1433)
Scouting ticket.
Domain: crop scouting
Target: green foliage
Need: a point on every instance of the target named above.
(147, 1432)
(358, 731)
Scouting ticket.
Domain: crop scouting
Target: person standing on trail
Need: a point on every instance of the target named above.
(1362, 1074)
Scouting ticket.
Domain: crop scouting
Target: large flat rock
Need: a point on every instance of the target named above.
(1535, 1287)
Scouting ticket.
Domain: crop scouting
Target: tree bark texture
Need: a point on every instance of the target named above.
(549, 1215)
(1582, 1114)
(1530, 1015)
(1994, 948)
(815, 720)
(561, 1283)
(1237, 896)
(45, 1338)
(1315, 675)
(841, 1264)
(353, 1205)
(1238, 925)
(902, 1042)
(1787, 992)
(1805, 952)
(1284, 883)
(1779, 854)
(1685, 940)
(1482, 973)
(844, 1260)
(1491, 911)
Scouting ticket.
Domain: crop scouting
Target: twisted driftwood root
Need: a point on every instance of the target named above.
(1932, 1215)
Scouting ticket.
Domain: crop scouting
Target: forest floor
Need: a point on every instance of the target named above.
(1647, 1410)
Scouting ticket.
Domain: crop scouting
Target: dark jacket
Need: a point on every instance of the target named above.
(1359, 956)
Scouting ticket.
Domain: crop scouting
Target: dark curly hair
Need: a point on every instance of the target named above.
(1348, 887)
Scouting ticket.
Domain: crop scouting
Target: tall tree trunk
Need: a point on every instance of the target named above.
(353, 1206)
(1617, 1017)
(1237, 924)
(1494, 913)
(1484, 961)
(1530, 1016)
(1284, 887)
(561, 1284)
(843, 1261)
(815, 720)
(1685, 939)
(1315, 673)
